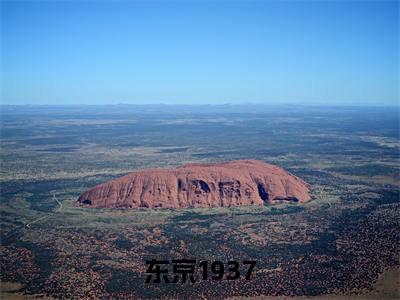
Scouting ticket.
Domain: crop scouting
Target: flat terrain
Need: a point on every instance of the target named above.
(338, 244)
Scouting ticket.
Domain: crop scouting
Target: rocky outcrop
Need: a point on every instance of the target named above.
(234, 183)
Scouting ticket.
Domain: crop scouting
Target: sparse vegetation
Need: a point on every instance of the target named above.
(338, 243)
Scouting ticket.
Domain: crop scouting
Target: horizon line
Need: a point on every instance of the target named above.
(208, 104)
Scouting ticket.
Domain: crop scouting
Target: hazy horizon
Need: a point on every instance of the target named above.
(233, 104)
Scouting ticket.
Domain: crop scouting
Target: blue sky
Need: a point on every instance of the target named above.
(200, 52)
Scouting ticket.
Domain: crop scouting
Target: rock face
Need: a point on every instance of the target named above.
(234, 183)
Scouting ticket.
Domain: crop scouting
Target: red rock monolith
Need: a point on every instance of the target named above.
(234, 183)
